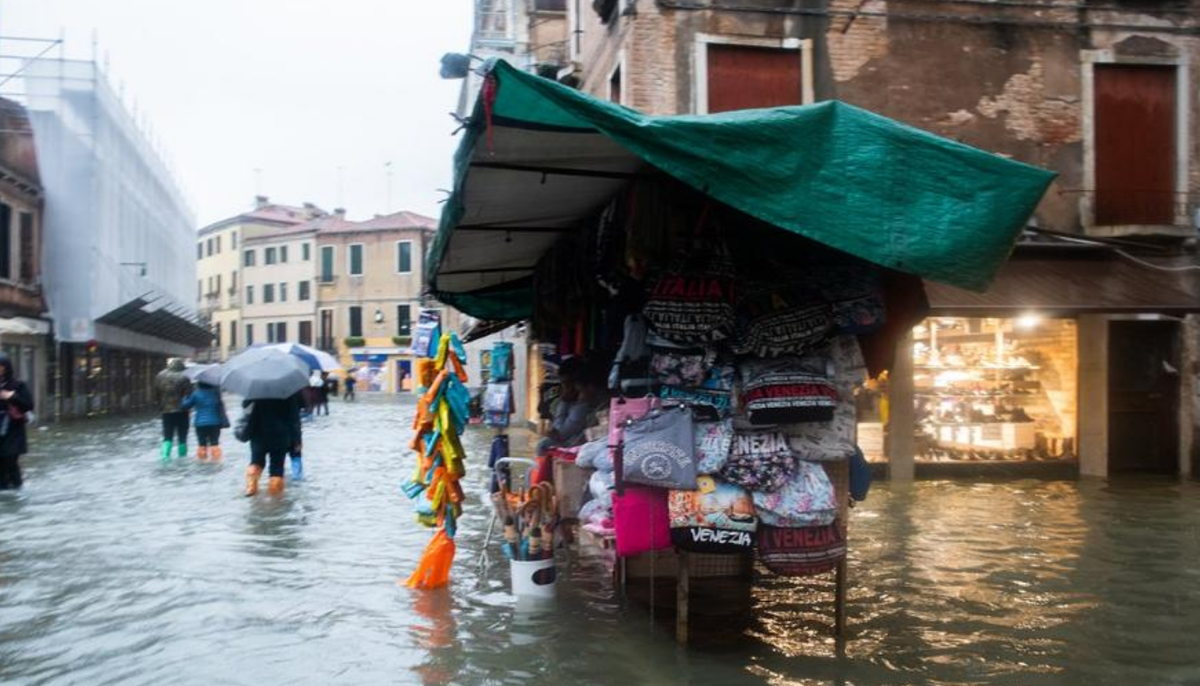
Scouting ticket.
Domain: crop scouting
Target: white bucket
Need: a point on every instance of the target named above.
(534, 578)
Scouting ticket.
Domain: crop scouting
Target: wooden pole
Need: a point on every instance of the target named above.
(682, 591)
(839, 603)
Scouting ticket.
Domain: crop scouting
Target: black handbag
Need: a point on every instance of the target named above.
(242, 430)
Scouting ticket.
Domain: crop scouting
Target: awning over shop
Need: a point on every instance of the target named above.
(539, 158)
(156, 316)
(1061, 285)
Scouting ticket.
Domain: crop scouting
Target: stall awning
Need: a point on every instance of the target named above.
(1058, 285)
(538, 158)
(154, 315)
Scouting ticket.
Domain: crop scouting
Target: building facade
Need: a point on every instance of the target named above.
(370, 277)
(1082, 358)
(278, 299)
(24, 326)
(117, 244)
(219, 261)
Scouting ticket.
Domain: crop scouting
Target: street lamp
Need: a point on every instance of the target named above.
(456, 65)
(378, 316)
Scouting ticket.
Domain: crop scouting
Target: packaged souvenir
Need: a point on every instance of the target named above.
(717, 517)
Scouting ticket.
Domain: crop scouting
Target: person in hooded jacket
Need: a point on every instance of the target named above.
(208, 417)
(171, 387)
(16, 402)
(273, 428)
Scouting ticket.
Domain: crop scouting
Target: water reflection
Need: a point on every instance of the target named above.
(116, 571)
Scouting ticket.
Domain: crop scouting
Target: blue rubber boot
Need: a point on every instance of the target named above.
(297, 468)
(165, 458)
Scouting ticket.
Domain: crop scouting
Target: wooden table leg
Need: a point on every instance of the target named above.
(839, 605)
(682, 592)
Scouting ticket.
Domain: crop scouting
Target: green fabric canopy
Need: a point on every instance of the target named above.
(539, 157)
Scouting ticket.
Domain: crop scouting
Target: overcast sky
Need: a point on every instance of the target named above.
(294, 88)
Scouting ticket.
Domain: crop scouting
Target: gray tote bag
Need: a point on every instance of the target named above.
(660, 450)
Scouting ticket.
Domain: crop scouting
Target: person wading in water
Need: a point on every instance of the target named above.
(16, 402)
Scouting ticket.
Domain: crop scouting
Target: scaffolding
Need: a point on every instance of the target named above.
(116, 224)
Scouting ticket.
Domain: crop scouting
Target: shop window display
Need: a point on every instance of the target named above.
(994, 389)
(984, 389)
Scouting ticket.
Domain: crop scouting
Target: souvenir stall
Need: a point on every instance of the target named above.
(737, 276)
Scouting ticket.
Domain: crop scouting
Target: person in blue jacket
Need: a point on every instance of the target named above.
(208, 416)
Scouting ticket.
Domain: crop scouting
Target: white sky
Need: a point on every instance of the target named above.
(295, 88)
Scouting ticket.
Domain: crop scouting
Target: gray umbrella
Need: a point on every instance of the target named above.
(261, 373)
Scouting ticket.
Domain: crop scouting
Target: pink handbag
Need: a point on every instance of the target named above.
(622, 409)
(642, 520)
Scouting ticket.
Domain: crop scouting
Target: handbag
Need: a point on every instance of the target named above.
(242, 431)
(713, 441)
(660, 450)
(717, 517)
(801, 551)
(224, 416)
(621, 410)
(759, 461)
(787, 390)
(774, 322)
(692, 301)
(806, 499)
(641, 520)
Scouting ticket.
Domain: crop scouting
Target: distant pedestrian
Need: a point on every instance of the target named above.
(331, 386)
(351, 381)
(273, 428)
(323, 394)
(172, 387)
(208, 416)
(16, 402)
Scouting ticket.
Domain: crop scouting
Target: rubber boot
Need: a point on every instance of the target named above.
(182, 448)
(214, 453)
(275, 485)
(252, 474)
(166, 452)
(297, 468)
(201, 453)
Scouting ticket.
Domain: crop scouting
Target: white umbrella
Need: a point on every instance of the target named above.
(204, 373)
(316, 359)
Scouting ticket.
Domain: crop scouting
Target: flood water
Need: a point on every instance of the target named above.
(115, 570)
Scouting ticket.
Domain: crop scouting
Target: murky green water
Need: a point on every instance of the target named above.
(114, 570)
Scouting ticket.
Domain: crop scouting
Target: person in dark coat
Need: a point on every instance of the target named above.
(16, 401)
(274, 430)
(208, 417)
(171, 387)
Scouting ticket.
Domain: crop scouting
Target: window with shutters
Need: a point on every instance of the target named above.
(28, 249)
(355, 320)
(355, 259)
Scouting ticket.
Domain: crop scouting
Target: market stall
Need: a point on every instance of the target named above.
(737, 277)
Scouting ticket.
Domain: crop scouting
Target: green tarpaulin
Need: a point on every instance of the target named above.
(539, 157)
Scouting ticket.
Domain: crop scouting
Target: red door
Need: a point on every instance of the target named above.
(1135, 144)
(741, 77)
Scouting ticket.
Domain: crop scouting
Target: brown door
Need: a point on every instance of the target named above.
(1143, 397)
(1135, 144)
(325, 332)
(306, 333)
(741, 77)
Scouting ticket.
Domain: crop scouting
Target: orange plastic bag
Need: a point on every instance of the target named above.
(433, 571)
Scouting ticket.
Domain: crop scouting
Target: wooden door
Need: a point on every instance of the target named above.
(306, 332)
(742, 77)
(1143, 397)
(1135, 144)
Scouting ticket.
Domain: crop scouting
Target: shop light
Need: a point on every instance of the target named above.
(1029, 320)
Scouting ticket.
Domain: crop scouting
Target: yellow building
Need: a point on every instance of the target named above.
(370, 277)
(219, 257)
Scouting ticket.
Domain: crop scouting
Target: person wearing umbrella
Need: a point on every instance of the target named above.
(208, 417)
(269, 381)
(274, 431)
(172, 386)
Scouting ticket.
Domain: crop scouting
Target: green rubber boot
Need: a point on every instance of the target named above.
(183, 449)
(166, 452)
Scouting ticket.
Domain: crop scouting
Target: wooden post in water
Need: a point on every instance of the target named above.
(682, 591)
